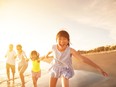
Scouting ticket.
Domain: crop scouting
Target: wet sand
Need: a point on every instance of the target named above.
(80, 79)
(85, 75)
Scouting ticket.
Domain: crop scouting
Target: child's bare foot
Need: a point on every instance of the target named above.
(8, 80)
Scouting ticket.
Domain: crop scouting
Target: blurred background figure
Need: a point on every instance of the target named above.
(23, 63)
(10, 62)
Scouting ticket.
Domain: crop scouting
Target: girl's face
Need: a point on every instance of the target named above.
(10, 47)
(62, 42)
(19, 49)
(33, 56)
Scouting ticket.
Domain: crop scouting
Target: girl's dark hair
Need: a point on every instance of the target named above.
(35, 53)
(65, 34)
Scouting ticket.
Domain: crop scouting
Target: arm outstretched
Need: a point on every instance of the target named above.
(88, 61)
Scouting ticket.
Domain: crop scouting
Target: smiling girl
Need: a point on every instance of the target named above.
(61, 65)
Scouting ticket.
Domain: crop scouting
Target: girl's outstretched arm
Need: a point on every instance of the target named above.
(88, 61)
(41, 58)
(47, 56)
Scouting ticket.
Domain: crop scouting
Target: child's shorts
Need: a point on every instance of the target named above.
(36, 74)
(9, 66)
(57, 72)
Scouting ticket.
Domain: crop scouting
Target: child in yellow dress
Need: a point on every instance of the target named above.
(36, 70)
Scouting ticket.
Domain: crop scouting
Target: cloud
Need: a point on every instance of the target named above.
(95, 13)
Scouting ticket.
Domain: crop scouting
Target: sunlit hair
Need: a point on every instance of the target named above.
(65, 34)
(34, 52)
(11, 45)
(19, 45)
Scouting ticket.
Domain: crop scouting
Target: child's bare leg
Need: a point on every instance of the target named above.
(34, 81)
(21, 72)
(13, 76)
(65, 82)
(13, 72)
(8, 72)
(22, 79)
(52, 82)
(8, 76)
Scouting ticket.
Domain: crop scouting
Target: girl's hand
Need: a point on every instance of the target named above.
(26, 59)
(39, 60)
(47, 56)
(103, 73)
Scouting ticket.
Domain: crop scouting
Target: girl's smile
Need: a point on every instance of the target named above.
(62, 43)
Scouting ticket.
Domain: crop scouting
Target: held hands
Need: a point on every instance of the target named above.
(41, 58)
(26, 59)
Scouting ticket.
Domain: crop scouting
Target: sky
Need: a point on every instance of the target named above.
(35, 23)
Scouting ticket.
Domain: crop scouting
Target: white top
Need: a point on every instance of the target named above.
(61, 64)
(22, 57)
(62, 58)
(10, 57)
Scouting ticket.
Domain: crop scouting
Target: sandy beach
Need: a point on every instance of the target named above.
(85, 76)
(88, 26)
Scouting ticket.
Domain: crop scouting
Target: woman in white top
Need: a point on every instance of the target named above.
(23, 63)
(10, 62)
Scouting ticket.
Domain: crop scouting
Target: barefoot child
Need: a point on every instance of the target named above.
(22, 64)
(36, 71)
(10, 63)
(61, 66)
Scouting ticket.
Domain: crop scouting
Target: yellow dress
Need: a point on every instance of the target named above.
(36, 66)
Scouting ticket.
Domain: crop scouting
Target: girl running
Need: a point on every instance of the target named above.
(36, 71)
(61, 65)
(23, 63)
